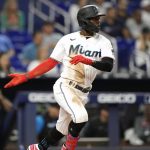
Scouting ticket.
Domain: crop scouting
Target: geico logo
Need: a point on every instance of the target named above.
(116, 98)
(41, 97)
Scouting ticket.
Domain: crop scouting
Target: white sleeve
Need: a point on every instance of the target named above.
(107, 50)
(59, 51)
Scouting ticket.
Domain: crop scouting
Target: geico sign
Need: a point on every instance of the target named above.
(41, 97)
(116, 98)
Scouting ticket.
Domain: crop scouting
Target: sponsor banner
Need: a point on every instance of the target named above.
(95, 97)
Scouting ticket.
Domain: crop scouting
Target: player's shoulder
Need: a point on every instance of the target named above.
(69, 37)
(103, 38)
(73, 34)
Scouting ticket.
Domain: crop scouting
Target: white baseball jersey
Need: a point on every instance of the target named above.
(95, 48)
(72, 100)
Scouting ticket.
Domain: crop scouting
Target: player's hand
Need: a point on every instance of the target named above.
(79, 58)
(16, 79)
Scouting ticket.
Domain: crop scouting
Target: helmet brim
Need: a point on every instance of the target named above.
(98, 15)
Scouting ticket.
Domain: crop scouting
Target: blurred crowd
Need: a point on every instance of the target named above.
(134, 123)
(21, 51)
(126, 23)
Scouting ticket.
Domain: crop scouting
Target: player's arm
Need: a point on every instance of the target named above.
(105, 64)
(42, 68)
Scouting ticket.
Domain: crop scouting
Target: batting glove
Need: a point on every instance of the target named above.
(79, 58)
(16, 79)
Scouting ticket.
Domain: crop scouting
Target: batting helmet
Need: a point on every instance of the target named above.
(87, 12)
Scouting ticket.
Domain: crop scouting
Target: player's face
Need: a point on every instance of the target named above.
(95, 20)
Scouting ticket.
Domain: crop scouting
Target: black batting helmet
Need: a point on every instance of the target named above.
(87, 12)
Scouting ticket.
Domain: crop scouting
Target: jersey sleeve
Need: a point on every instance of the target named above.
(107, 50)
(59, 51)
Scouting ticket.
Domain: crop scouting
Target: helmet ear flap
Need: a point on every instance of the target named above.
(82, 22)
(85, 23)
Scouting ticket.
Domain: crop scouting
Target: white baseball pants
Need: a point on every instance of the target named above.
(72, 105)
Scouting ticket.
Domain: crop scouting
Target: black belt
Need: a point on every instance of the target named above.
(84, 90)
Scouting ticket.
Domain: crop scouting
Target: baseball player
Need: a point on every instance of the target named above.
(83, 54)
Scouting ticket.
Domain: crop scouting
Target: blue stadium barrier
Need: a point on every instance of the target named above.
(26, 111)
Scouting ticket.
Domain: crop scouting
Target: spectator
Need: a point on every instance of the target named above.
(51, 117)
(5, 106)
(50, 37)
(142, 125)
(6, 45)
(143, 49)
(110, 25)
(5, 67)
(5, 103)
(128, 116)
(42, 54)
(126, 46)
(30, 50)
(135, 24)
(145, 5)
(73, 13)
(98, 126)
(122, 4)
(11, 17)
(122, 11)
